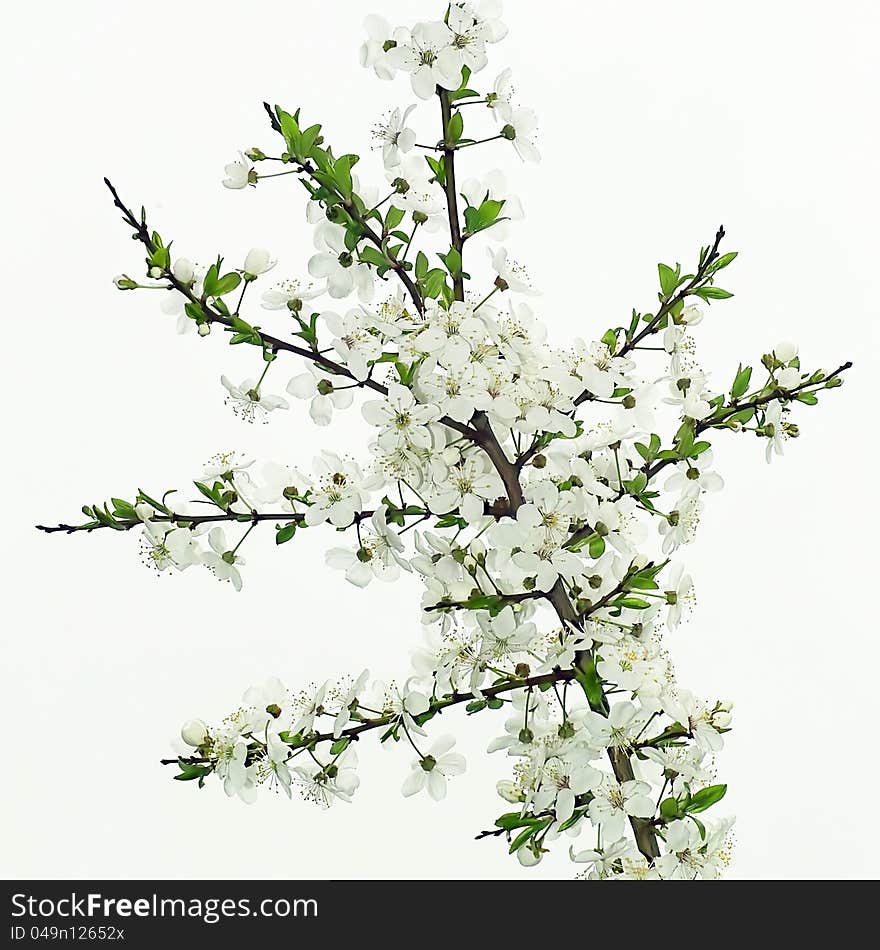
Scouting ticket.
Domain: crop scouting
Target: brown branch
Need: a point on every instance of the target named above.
(453, 699)
(142, 234)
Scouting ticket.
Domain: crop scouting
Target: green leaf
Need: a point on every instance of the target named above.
(478, 219)
(741, 383)
(372, 255)
(670, 809)
(438, 167)
(590, 682)
(513, 820)
(668, 279)
(705, 798)
(524, 836)
(455, 129)
(451, 521)
(494, 603)
(393, 218)
(722, 262)
(684, 439)
(190, 771)
(342, 174)
(453, 262)
(433, 282)
(285, 533)
(713, 293)
(226, 284)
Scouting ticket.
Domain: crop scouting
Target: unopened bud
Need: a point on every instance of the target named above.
(194, 733)
(785, 352)
(508, 791)
(124, 282)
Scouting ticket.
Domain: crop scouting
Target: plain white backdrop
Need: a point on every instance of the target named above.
(658, 123)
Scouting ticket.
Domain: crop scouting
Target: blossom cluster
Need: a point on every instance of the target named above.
(528, 486)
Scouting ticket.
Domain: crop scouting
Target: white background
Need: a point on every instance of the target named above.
(659, 121)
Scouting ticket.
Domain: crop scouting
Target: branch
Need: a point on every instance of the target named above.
(714, 422)
(453, 699)
(372, 236)
(185, 521)
(142, 234)
(667, 307)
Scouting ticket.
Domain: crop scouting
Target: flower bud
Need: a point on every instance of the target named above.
(183, 271)
(194, 733)
(204, 329)
(508, 791)
(788, 378)
(691, 316)
(156, 272)
(124, 282)
(785, 352)
(527, 858)
(257, 262)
